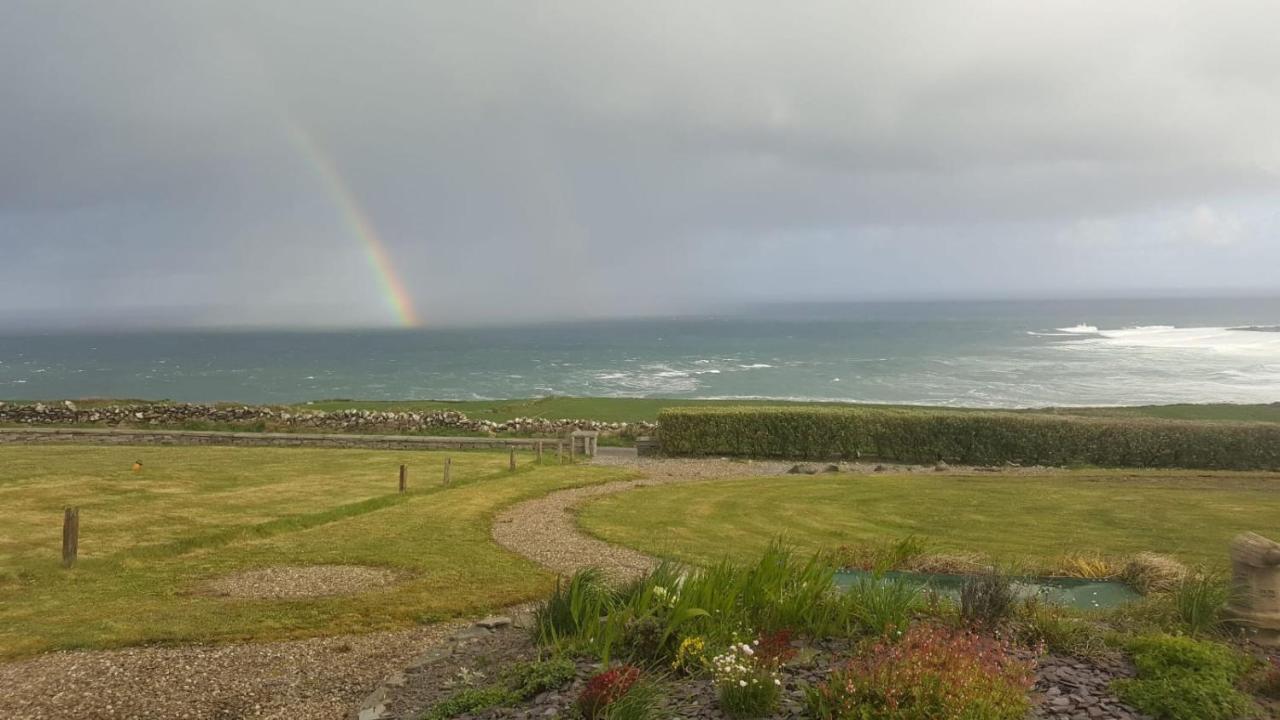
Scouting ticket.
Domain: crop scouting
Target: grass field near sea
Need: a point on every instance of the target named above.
(1016, 519)
(149, 541)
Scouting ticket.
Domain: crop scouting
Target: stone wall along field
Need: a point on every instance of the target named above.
(263, 418)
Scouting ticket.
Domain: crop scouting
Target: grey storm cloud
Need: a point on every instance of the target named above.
(168, 162)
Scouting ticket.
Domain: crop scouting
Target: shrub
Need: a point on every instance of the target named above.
(931, 673)
(1181, 678)
(531, 678)
(987, 599)
(470, 700)
(747, 682)
(880, 607)
(606, 689)
(926, 436)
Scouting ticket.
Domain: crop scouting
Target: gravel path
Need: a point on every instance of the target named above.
(316, 679)
(291, 582)
(545, 530)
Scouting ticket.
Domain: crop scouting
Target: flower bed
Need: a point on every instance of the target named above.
(776, 639)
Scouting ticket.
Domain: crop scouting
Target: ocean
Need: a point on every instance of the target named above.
(976, 354)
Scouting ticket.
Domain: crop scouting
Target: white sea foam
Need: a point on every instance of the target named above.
(1213, 339)
(1080, 329)
(754, 366)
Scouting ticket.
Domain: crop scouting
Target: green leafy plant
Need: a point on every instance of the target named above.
(469, 700)
(1198, 601)
(528, 679)
(574, 609)
(1181, 678)
(930, 673)
(987, 598)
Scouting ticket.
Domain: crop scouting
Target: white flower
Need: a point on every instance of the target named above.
(742, 683)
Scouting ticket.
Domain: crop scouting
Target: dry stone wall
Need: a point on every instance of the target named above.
(259, 417)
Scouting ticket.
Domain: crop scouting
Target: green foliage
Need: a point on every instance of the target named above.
(1181, 678)
(642, 702)
(650, 617)
(878, 606)
(531, 678)
(521, 682)
(977, 438)
(881, 556)
(931, 673)
(574, 609)
(987, 599)
(1057, 629)
(746, 680)
(469, 700)
(1198, 602)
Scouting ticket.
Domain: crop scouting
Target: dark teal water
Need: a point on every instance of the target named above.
(972, 354)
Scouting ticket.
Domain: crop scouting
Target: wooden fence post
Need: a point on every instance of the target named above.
(573, 446)
(560, 451)
(539, 447)
(511, 465)
(447, 463)
(404, 477)
(70, 536)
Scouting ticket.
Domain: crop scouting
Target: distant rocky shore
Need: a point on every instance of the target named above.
(257, 417)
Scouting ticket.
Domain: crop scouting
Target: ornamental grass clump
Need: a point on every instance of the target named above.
(930, 673)
(747, 681)
(607, 689)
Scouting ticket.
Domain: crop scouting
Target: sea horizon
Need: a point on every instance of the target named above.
(1013, 354)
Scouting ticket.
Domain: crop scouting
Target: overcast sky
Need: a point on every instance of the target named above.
(166, 162)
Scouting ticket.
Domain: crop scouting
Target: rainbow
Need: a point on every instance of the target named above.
(398, 300)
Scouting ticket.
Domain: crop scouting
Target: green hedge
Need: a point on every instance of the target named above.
(976, 438)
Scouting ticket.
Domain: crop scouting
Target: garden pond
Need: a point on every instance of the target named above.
(1075, 593)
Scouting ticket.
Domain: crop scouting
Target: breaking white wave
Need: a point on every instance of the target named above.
(1223, 340)
(1080, 329)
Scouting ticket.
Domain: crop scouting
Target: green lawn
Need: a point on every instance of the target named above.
(1012, 519)
(149, 540)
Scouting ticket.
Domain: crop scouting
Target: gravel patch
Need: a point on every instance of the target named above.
(293, 582)
(317, 679)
